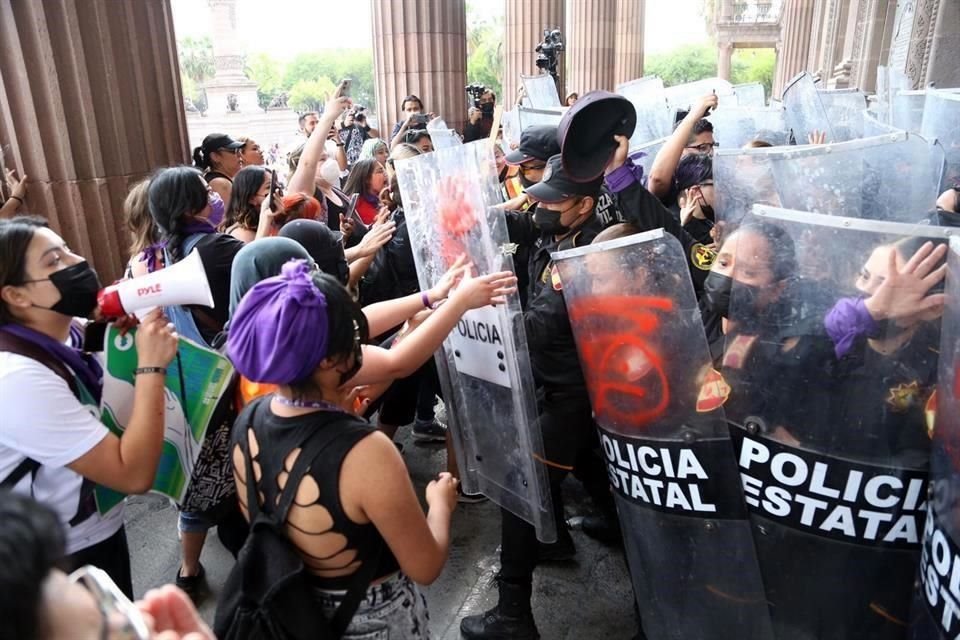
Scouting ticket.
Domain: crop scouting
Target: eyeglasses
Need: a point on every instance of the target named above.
(704, 147)
(121, 619)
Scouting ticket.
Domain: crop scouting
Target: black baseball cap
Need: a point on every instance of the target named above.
(557, 185)
(217, 141)
(536, 143)
(586, 132)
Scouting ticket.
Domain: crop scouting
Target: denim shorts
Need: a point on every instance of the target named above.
(195, 522)
(392, 610)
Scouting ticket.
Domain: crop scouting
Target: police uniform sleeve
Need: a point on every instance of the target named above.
(545, 317)
(520, 227)
(642, 209)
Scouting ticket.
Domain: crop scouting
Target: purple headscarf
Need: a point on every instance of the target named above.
(279, 332)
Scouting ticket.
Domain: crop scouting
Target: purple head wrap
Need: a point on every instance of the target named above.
(279, 332)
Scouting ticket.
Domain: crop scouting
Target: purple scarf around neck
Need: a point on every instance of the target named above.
(83, 365)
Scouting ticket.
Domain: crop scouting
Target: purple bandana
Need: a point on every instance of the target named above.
(279, 332)
(83, 365)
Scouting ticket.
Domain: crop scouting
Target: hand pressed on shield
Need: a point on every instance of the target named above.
(903, 292)
(449, 280)
(476, 292)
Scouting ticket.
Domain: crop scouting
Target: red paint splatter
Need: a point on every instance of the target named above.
(624, 369)
(456, 216)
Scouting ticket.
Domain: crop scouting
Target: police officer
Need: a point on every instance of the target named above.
(564, 218)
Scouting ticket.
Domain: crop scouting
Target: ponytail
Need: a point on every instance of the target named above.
(200, 160)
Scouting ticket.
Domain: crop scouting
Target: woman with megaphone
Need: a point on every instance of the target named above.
(53, 444)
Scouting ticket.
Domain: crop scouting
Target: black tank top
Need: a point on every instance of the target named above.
(278, 436)
(210, 176)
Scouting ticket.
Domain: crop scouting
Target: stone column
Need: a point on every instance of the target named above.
(230, 91)
(90, 103)
(934, 44)
(591, 29)
(795, 34)
(420, 48)
(725, 60)
(628, 51)
(524, 23)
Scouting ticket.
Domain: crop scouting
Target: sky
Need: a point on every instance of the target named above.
(267, 26)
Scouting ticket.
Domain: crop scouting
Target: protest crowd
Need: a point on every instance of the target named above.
(734, 322)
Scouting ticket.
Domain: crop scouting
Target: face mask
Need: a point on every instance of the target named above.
(330, 172)
(716, 293)
(548, 221)
(216, 208)
(707, 211)
(78, 286)
(487, 108)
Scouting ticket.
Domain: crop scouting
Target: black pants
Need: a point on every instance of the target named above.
(569, 441)
(112, 555)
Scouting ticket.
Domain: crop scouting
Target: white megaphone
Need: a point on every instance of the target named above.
(180, 284)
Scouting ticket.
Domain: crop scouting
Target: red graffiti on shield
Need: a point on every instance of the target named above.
(624, 368)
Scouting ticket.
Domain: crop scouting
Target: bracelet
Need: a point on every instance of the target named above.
(339, 144)
(426, 300)
(144, 370)
(17, 198)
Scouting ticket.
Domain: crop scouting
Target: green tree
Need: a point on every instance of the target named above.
(686, 63)
(267, 72)
(754, 65)
(196, 58)
(310, 95)
(356, 64)
(485, 52)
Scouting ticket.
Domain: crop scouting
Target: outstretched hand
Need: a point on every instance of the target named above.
(903, 293)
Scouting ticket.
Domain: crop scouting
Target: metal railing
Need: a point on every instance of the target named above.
(759, 12)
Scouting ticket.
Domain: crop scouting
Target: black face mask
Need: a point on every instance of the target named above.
(716, 293)
(707, 211)
(548, 221)
(486, 108)
(78, 286)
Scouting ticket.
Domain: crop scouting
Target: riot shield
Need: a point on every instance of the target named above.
(874, 124)
(656, 399)
(529, 117)
(891, 177)
(805, 112)
(654, 120)
(442, 136)
(510, 123)
(941, 121)
(683, 97)
(844, 109)
(826, 409)
(750, 95)
(906, 110)
(541, 91)
(645, 154)
(733, 127)
(449, 198)
(937, 603)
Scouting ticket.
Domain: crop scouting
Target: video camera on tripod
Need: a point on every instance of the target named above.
(548, 51)
(475, 91)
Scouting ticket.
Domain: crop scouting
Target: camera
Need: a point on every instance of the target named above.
(474, 91)
(548, 51)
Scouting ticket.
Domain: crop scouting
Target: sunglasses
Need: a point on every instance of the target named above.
(121, 619)
(704, 147)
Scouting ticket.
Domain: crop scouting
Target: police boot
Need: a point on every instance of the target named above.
(511, 619)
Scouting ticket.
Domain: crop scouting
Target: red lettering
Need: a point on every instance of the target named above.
(624, 369)
(152, 289)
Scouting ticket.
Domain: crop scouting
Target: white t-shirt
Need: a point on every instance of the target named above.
(40, 418)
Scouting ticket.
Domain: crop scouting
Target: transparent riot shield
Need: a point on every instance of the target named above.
(941, 121)
(529, 117)
(449, 197)
(906, 110)
(892, 177)
(683, 97)
(654, 120)
(541, 91)
(656, 399)
(829, 378)
(937, 603)
(844, 109)
(805, 110)
(750, 95)
(874, 124)
(442, 136)
(510, 123)
(734, 127)
(645, 154)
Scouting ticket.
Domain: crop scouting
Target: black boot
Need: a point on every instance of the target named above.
(560, 551)
(511, 619)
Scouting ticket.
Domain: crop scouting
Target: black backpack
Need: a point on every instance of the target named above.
(268, 593)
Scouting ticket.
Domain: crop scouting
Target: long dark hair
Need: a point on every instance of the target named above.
(176, 195)
(246, 184)
(359, 177)
(15, 236)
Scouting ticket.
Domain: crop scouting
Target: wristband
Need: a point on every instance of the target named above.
(145, 370)
(426, 300)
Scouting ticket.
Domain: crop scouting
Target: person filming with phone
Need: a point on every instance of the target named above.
(412, 117)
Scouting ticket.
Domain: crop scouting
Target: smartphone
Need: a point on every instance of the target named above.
(351, 212)
(345, 87)
(273, 189)
(420, 118)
